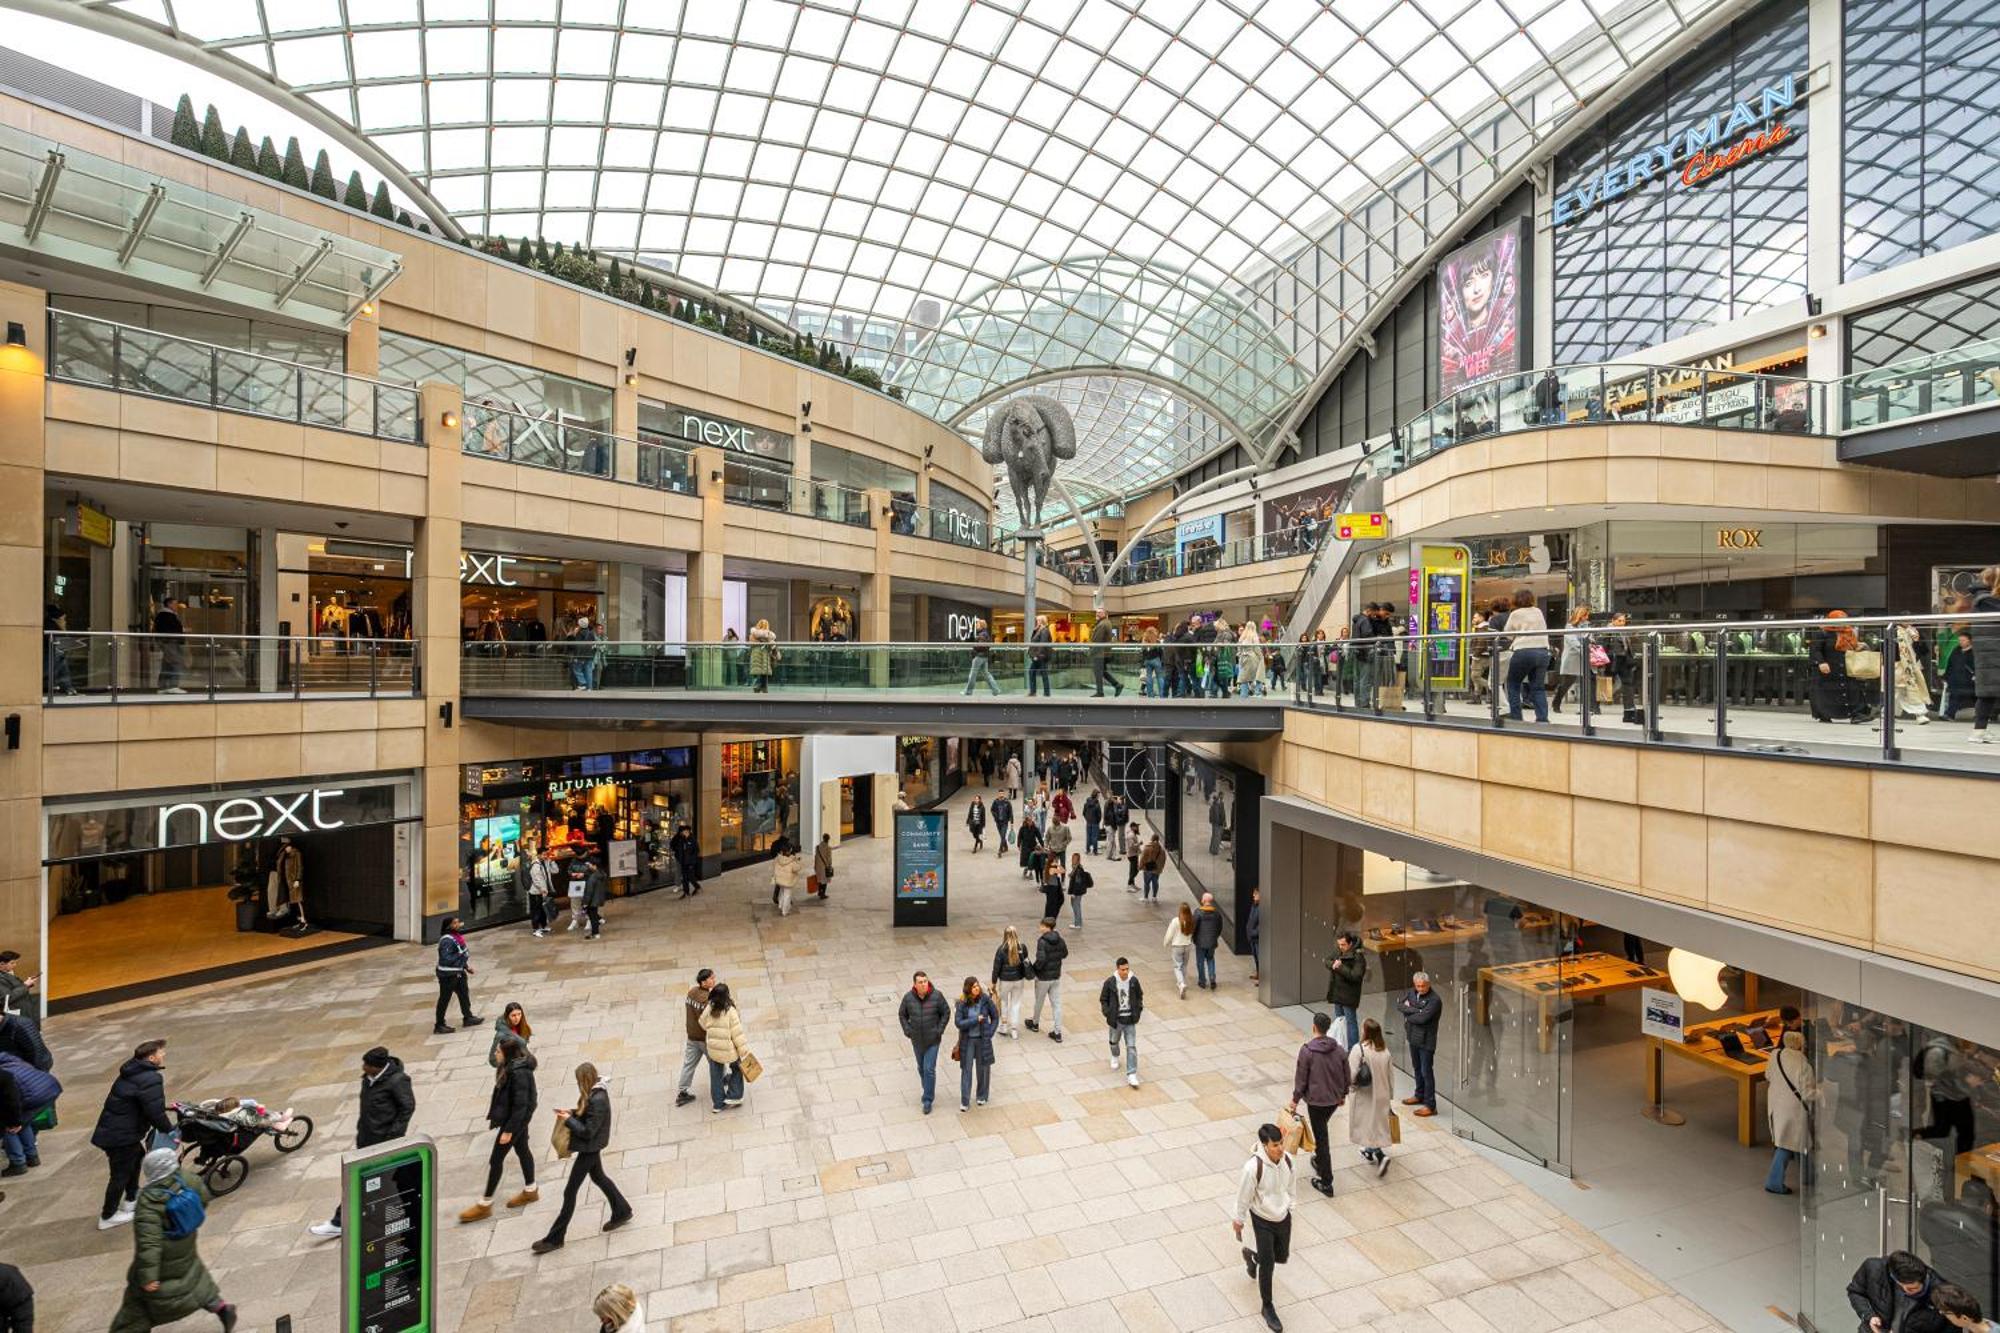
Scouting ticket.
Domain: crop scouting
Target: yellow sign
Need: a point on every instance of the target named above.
(1439, 588)
(1361, 527)
(93, 525)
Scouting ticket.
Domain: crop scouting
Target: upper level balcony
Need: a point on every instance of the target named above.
(1938, 413)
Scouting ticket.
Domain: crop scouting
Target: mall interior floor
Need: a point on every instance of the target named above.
(150, 936)
(829, 1202)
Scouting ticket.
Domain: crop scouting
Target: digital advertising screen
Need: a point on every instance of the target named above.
(390, 1213)
(921, 872)
(1481, 323)
(1439, 585)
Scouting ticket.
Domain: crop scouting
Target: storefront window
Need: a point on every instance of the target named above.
(917, 772)
(620, 809)
(343, 589)
(528, 599)
(760, 797)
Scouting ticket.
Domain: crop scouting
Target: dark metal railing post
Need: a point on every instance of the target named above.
(1887, 687)
(1586, 699)
(1493, 686)
(211, 669)
(114, 668)
(374, 667)
(1430, 700)
(297, 650)
(214, 377)
(1721, 688)
(299, 394)
(1652, 692)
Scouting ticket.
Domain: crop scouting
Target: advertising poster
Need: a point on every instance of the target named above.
(1662, 1014)
(624, 859)
(388, 1251)
(1480, 287)
(1311, 510)
(1440, 588)
(920, 883)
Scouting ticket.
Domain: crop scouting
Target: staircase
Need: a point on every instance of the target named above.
(1333, 561)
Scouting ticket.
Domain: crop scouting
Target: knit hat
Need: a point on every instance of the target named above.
(158, 1165)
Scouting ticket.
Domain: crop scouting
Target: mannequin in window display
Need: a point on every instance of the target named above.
(284, 888)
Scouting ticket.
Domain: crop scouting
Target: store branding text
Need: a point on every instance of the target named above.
(1739, 539)
(1692, 154)
(244, 817)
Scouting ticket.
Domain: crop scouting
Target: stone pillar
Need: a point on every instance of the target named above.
(709, 802)
(435, 605)
(876, 588)
(704, 567)
(364, 345)
(22, 533)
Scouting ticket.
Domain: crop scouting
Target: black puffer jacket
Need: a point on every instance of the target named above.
(591, 1131)
(924, 1020)
(387, 1103)
(1006, 971)
(513, 1103)
(136, 1103)
(1050, 950)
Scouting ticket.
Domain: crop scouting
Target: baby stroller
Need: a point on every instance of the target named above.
(217, 1141)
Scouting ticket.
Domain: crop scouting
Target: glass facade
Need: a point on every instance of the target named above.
(760, 797)
(1921, 80)
(488, 381)
(1665, 259)
(1941, 321)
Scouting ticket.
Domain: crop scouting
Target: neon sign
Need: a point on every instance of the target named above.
(1694, 154)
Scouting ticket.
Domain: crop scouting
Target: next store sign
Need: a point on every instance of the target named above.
(1695, 155)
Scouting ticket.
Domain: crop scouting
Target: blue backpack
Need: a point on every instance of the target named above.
(184, 1211)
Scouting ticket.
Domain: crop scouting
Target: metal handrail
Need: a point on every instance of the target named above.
(283, 657)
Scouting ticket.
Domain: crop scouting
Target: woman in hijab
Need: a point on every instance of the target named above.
(1832, 694)
(167, 1280)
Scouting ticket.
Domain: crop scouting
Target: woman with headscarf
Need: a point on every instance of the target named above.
(167, 1280)
(1827, 647)
(589, 1135)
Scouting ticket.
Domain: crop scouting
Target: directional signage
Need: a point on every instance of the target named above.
(389, 1238)
(1360, 527)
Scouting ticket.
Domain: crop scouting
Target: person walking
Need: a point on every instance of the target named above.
(1253, 926)
(1984, 640)
(976, 1019)
(1372, 1097)
(1029, 844)
(1093, 822)
(170, 637)
(542, 876)
(387, 1103)
(1118, 819)
(1179, 940)
(1528, 636)
(1079, 884)
(823, 864)
(785, 867)
(1249, 661)
(975, 823)
(589, 1137)
(725, 1046)
(1040, 654)
(509, 1110)
(763, 657)
(1102, 635)
(1320, 1079)
(1003, 819)
(1122, 1001)
(1913, 692)
(513, 1022)
(1057, 838)
(1569, 669)
(454, 965)
(1420, 1008)
(924, 1016)
(1011, 964)
(1152, 863)
(596, 892)
(1013, 781)
(1264, 1201)
(982, 659)
(134, 1109)
(1791, 1090)
(694, 1048)
(1050, 950)
(167, 1280)
(687, 855)
(1345, 973)
(1207, 934)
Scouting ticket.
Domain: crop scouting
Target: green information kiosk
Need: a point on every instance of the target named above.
(388, 1270)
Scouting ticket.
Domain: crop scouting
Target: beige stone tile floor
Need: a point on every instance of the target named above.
(829, 1203)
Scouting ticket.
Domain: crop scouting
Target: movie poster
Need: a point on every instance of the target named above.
(1300, 521)
(1480, 288)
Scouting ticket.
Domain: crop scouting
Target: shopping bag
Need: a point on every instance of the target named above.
(1395, 1128)
(1864, 664)
(560, 1139)
(752, 1068)
(1298, 1133)
(812, 886)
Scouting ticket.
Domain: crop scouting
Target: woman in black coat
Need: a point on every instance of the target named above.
(1985, 636)
(511, 1108)
(1832, 693)
(589, 1136)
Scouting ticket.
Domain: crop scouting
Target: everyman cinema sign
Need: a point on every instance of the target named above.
(1720, 142)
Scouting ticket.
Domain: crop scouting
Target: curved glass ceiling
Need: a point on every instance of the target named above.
(1209, 194)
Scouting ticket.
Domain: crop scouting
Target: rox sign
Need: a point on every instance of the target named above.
(1695, 154)
(245, 817)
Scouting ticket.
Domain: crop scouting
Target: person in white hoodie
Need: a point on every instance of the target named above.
(1180, 938)
(618, 1310)
(1264, 1201)
(785, 868)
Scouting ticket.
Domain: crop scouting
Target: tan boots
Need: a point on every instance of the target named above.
(524, 1198)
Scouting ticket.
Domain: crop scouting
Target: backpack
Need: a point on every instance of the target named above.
(184, 1211)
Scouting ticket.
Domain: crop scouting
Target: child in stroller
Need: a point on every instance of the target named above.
(218, 1132)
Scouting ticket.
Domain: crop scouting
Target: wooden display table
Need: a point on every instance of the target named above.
(1702, 1044)
(1983, 1163)
(1585, 976)
(1448, 930)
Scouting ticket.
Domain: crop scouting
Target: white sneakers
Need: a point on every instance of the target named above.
(1132, 1079)
(1977, 738)
(324, 1230)
(117, 1219)
(1114, 1062)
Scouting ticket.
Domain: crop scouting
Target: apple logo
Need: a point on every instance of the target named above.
(1697, 978)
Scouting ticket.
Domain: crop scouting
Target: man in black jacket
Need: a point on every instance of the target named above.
(1346, 971)
(924, 1016)
(1361, 647)
(1040, 655)
(17, 1301)
(1420, 1007)
(135, 1107)
(1050, 950)
(1122, 1001)
(387, 1103)
(596, 890)
(1894, 1293)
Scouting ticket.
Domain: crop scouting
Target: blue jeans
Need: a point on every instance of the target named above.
(583, 671)
(1204, 965)
(725, 1083)
(1774, 1181)
(1525, 677)
(21, 1146)
(1076, 910)
(1129, 1032)
(1423, 1066)
(1005, 826)
(1091, 833)
(1151, 879)
(1038, 669)
(981, 667)
(966, 1076)
(1346, 1020)
(927, 1072)
(1152, 680)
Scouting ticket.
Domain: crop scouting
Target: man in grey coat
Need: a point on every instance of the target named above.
(1420, 1008)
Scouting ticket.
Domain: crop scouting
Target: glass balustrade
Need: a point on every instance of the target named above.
(81, 667)
(1921, 386)
(765, 488)
(98, 352)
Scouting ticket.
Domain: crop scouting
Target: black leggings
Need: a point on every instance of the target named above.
(498, 1157)
(1983, 709)
(587, 1164)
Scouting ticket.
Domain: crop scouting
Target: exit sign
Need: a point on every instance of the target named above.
(1361, 527)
